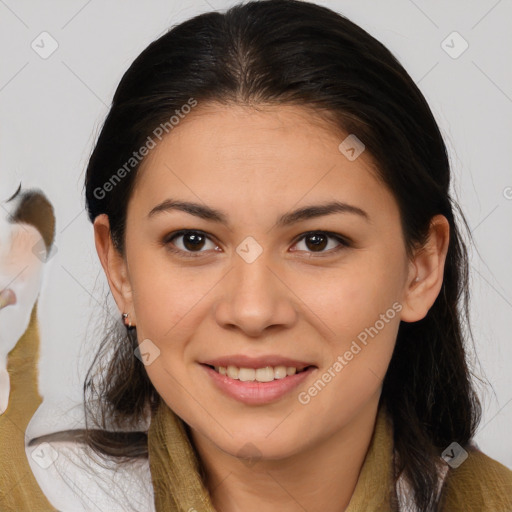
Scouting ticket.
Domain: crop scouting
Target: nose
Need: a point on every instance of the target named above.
(255, 298)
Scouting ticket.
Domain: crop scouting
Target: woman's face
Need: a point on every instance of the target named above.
(253, 286)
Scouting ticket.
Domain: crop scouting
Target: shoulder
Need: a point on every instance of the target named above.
(75, 479)
(480, 484)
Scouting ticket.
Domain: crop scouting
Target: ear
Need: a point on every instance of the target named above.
(114, 265)
(426, 272)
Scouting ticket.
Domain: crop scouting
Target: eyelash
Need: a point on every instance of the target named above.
(344, 243)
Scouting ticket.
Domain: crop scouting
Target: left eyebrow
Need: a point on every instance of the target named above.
(301, 214)
(313, 211)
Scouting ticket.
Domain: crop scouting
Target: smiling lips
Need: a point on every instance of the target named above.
(257, 380)
(243, 361)
(254, 392)
(7, 297)
(261, 369)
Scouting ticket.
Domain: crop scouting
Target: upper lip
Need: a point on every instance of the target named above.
(243, 361)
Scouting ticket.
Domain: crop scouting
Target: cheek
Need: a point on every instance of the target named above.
(352, 297)
(365, 322)
(166, 295)
(359, 305)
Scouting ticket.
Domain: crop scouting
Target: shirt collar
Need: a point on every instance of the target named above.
(178, 486)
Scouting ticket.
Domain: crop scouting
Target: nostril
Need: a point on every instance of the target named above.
(7, 297)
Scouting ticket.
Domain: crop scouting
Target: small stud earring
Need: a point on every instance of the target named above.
(417, 279)
(129, 326)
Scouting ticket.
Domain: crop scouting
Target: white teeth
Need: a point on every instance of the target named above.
(232, 372)
(280, 372)
(266, 374)
(246, 374)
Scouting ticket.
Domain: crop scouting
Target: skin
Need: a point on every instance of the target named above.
(256, 165)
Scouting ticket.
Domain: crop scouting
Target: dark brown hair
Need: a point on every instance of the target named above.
(280, 52)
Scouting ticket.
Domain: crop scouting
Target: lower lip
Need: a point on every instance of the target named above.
(256, 393)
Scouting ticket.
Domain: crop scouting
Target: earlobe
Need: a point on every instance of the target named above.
(113, 263)
(426, 272)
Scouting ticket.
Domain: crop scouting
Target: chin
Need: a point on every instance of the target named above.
(260, 447)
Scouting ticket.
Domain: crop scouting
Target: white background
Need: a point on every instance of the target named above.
(51, 110)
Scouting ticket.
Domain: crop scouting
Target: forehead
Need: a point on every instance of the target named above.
(263, 156)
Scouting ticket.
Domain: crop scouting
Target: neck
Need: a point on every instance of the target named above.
(323, 477)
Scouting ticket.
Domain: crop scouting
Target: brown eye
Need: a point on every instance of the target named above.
(188, 242)
(317, 241)
(193, 241)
